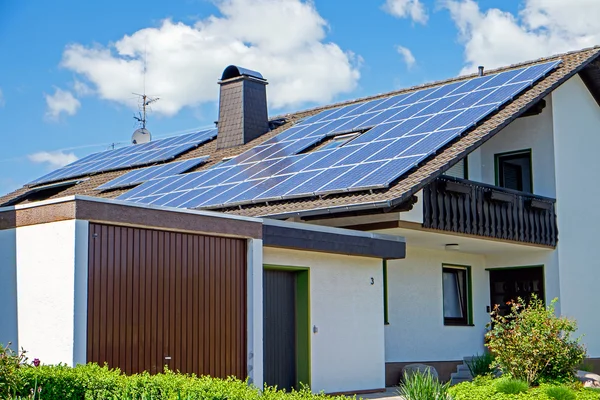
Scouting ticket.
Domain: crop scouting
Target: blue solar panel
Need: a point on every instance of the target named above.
(261, 187)
(395, 148)
(391, 170)
(345, 181)
(364, 151)
(500, 79)
(435, 122)
(293, 181)
(405, 130)
(333, 157)
(305, 162)
(430, 143)
(313, 185)
(185, 198)
(130, 156)
(157, 171)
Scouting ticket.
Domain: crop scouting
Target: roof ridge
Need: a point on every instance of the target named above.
(435, 83)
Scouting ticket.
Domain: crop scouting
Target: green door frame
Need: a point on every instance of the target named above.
(302, 321)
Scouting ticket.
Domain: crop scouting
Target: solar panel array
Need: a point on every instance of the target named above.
(130, 156)
(401, 131)
(154, 172)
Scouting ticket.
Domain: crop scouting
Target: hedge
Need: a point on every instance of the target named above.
(92, 382)
(485, 388)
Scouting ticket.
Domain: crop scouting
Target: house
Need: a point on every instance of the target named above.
(478, 174)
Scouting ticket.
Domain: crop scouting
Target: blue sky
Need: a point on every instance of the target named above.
(69, 67)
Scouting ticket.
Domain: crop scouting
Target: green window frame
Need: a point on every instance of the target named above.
(457, 295)
(386, 320)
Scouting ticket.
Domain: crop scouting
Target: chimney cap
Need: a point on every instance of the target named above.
(234, 71)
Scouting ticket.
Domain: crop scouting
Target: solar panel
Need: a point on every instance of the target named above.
(130, 156)
(154, 172)
(403, 130)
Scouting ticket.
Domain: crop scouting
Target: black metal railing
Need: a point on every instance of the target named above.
(463, 206)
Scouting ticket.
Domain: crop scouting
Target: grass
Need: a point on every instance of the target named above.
(481, 364)
(511, 386)
(423, 386)
(560, 393)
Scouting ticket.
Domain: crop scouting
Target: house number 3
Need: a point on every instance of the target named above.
(372, 281)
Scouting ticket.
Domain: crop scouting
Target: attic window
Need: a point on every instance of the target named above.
(43, 192)
(340, 140)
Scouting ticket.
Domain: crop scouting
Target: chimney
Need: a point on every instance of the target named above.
(480, 69)
(242, 107)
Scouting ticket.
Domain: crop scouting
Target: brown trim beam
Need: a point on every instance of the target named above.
(129, 215)
(332, 242)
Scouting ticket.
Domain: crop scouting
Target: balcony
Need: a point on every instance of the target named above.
(473, 208)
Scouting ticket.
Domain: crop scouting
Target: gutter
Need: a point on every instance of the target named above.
(334, 210)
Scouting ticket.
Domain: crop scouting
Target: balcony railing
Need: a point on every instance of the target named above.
(473, 208)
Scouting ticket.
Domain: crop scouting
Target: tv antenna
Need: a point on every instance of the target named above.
(142, 135)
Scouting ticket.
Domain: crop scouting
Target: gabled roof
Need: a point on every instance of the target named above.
(403, 189)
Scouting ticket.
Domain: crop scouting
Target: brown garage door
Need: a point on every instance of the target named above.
(160, 298)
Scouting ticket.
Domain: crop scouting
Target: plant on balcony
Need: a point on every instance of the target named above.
(533, 344)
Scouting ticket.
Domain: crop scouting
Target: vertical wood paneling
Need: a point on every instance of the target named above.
(469, 207)
(155, 294)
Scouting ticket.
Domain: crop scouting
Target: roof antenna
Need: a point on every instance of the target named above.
(142, 135)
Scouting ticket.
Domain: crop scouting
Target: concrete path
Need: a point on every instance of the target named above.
(390, 394)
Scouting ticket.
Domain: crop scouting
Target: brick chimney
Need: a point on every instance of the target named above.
(242, 107)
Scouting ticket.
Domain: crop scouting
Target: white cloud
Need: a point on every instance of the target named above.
(407, 56)
(2, 101)
(54, 159)
(412, 9)
(283, 39)
(542, 27)
(81, 88)
(62, 101)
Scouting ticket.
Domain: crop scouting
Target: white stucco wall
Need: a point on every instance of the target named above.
(255, 312)
(576, 144)
(535, 133)
(347, 352)
(8, 288)
(416, 330)
(52, 290)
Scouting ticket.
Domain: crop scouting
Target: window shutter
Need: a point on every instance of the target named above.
(458, 170)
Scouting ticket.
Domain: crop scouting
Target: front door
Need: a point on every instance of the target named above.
(279, 329)
(511, 283)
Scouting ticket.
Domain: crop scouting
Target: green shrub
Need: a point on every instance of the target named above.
(533, 344)
(92, 382)
(481, 365)
(560, 393)
(511, 386)
(423, 386)
(485, 388)
(10, 364)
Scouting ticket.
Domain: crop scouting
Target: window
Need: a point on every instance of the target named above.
(458, 170)
(339, 141)
(456, 288)
(514, 171)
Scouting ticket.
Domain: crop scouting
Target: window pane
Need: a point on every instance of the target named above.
(452, 295)
(515, 171)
